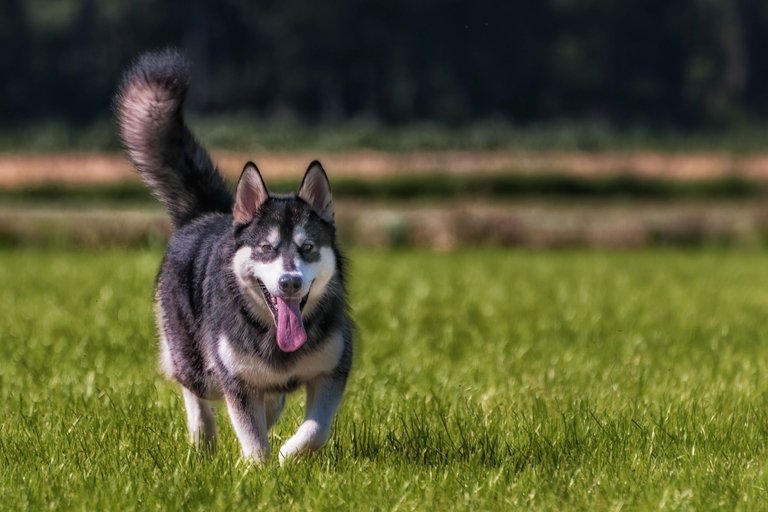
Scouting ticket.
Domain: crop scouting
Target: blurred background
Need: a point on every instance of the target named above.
(443, 124)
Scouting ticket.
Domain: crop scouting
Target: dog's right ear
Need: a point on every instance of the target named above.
(251, 194)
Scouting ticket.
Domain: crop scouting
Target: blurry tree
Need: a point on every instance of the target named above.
(635, 61)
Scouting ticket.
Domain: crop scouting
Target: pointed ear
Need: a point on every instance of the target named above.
(251, 194)
(316, 191)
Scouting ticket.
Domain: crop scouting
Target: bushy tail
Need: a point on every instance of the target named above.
(178, 171)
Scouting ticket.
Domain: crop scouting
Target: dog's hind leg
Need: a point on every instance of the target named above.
(323, 398)
(200, 420)
(273, 406)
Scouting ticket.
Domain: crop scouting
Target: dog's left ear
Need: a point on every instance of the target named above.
(250, 195)
(316, 191)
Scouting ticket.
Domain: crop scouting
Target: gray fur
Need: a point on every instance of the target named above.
(217, 337)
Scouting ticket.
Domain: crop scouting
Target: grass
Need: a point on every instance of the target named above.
(257, 133)
(485, 380)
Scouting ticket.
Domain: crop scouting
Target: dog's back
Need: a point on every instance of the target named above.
(178, 171)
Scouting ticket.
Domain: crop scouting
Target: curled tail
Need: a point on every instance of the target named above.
(178, 171)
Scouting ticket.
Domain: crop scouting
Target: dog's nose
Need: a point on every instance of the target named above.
(289, 283)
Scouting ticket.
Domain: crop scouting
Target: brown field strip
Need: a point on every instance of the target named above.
(27, 169)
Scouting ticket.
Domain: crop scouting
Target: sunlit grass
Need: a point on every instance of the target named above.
(483, 380)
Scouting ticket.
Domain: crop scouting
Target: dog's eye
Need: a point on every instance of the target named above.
(307, 247)
(266, 247)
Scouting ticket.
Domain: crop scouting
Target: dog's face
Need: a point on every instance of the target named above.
(284, 258)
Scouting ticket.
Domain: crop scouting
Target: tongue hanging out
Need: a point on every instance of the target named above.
(291, 334)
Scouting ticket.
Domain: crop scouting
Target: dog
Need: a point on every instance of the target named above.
(250, 298)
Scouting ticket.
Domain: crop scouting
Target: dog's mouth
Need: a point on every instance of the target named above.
(271, 300)
(286, 312)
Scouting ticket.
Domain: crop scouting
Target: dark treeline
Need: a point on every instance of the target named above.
(682, 62)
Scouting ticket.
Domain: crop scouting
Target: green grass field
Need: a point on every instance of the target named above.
(484, 380)
(251, 130)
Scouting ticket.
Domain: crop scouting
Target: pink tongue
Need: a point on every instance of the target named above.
(290, 329)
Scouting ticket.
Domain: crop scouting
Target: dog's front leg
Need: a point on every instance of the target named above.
(323, 398)
(248, 415)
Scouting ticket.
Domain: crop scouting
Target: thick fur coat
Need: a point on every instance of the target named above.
(250, 297)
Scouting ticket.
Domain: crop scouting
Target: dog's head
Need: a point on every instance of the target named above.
(284, 259)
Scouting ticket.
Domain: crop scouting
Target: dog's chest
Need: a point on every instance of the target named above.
(253, 370)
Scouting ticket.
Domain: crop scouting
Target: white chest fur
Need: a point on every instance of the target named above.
(259, 374)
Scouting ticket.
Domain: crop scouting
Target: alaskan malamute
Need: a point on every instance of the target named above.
(250, 297)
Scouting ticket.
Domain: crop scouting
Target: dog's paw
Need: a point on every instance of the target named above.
(291, 449)
(309, 438)
(257, 459)
(203, 444)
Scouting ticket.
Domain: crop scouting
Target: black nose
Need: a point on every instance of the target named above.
(289, 283)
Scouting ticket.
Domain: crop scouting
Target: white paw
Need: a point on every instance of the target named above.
(309, 438)
(256, 457)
